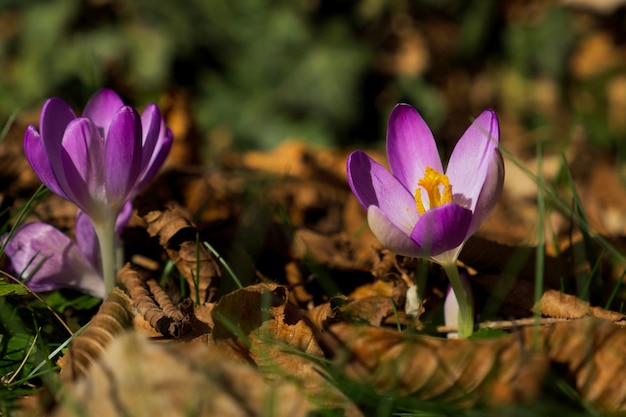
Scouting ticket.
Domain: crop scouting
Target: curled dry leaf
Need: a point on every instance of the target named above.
(178, 236)
(114, 316)
(594, 352)
(135, 377)
(556, 304)
(462, 372)
(588, 353)
(153, 303)
(560, 305)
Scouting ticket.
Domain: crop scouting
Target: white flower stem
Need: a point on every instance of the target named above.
(106, 238)
(466, 310)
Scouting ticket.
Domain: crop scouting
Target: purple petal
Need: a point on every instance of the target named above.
(49, 260)
(87, 240)
(123, 155)
(472, 159)
(158, 157)
(151, 128)
(83, 163)
(56, 115)
(442, 228)
(411, 146)
(102, 107)
(490, 193)
(373, 185)
(123, 218)
(38, 160)
(394, 238)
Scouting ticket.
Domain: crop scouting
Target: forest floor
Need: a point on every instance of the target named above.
(255, 287)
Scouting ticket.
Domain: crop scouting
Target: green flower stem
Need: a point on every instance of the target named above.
(106, 238)
(466, 311)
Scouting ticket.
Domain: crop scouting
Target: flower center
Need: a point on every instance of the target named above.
(437, 186)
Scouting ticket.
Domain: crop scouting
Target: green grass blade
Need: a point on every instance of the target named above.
(592, 257)
(616, 288)
(563, 207)
(540, 251)
(224, 264)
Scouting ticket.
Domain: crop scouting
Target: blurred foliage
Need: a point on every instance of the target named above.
(329, 71)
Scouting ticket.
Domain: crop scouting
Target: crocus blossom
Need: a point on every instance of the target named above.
(99, 160)
(47, 259)
(419, 209)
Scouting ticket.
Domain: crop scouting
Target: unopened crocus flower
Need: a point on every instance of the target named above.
(98, 161)
(47, 259)
(421, 210)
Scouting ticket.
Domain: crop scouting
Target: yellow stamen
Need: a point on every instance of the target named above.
(434, 183)
(419, 206)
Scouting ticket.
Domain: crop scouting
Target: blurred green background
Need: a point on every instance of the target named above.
(254, 73)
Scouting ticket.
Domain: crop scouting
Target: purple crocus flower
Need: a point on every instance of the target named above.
(47, 259)
(100, 160)
(420, 210)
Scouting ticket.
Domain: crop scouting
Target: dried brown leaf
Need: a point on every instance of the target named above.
(114, 316)
(594, 352)
(335, 251)
(463, 372)
(297, 159)
(259, 325)
(321, 315)
(394, 289)
(135, 377)
(387, 264)
(293, 275)
(263, 311)
(175, 108)
(373, 310)
(560, 305)
(511, 369)
(153, 304)
(178, 236)
(604, 314)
